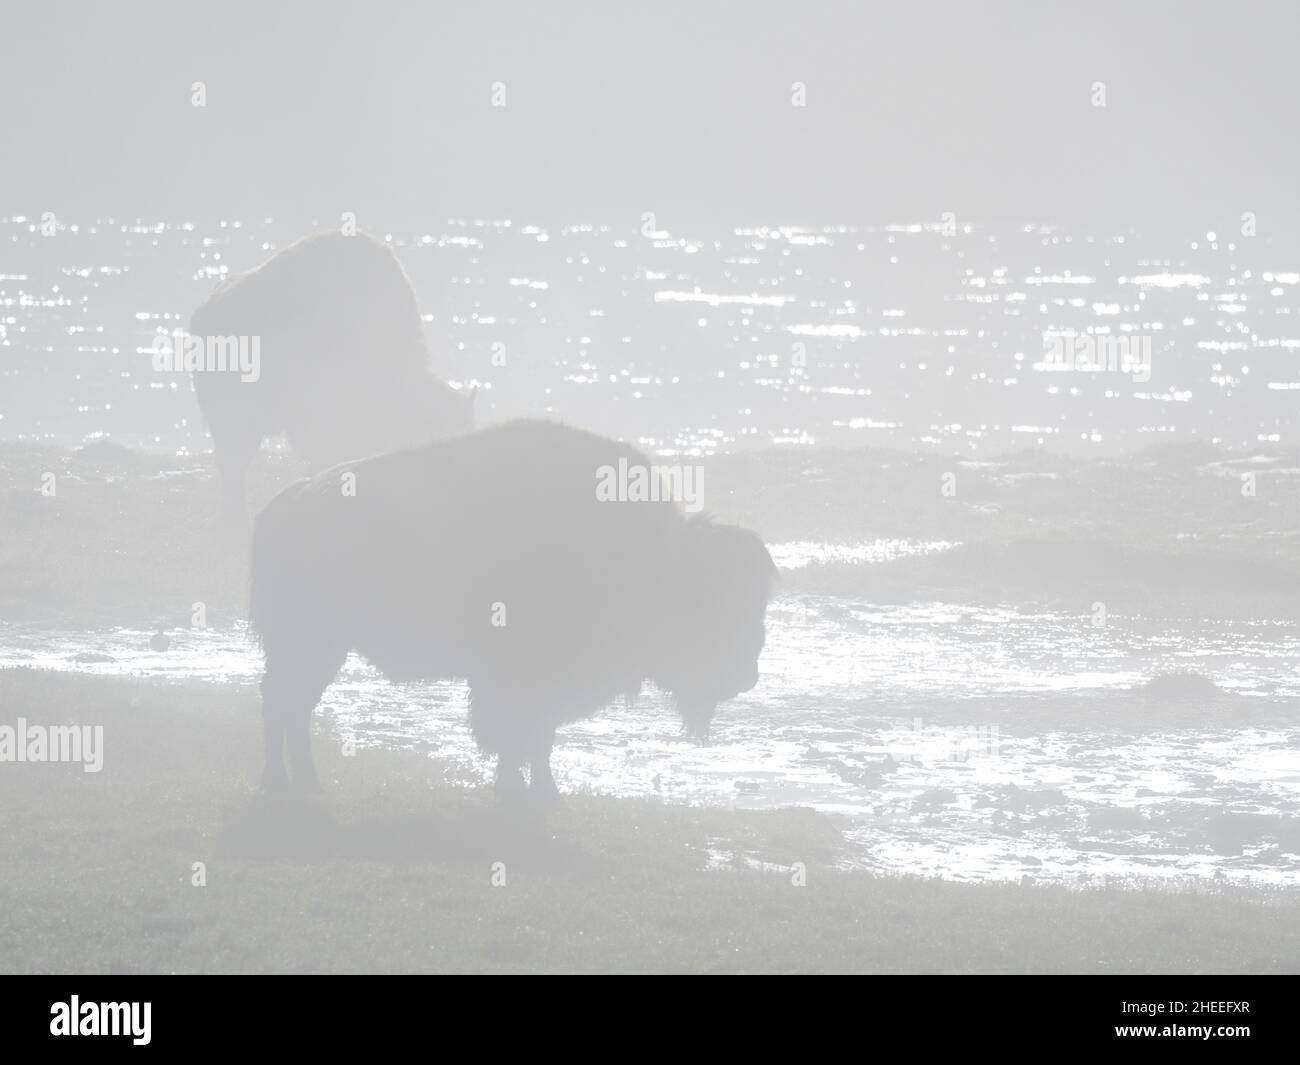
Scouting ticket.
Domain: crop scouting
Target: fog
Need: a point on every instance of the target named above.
(736, 470)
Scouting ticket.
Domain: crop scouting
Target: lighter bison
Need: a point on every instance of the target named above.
(344, 367)
(489, 556)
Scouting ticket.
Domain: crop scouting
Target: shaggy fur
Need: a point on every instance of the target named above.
(344, 367)
(442, 543)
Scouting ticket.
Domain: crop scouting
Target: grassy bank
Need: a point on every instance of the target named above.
(391, 870)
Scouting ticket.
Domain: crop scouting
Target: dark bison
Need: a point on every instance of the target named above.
(343, 365)
(489, 556)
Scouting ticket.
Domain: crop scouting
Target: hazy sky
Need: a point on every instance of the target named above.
(385, 109)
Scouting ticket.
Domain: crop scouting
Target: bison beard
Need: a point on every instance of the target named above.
(344, 364)
(488, 557)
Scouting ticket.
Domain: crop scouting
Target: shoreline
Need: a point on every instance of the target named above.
(392, 869)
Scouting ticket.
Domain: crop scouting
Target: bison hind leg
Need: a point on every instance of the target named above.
(236, 440)
(291, 687)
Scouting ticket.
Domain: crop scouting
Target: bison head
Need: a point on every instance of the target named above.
(720, 585)
(451, 411)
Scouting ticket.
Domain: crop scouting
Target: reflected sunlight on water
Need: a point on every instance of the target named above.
(967, 742)
(900, 335)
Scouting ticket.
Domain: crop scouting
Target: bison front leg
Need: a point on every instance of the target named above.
(541, 783)
(496, 731)
(509, 777)
(274, 775)
(504, 723)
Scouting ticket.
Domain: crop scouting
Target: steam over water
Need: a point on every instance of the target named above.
(965, 742)
(912, 334)
(969, 741)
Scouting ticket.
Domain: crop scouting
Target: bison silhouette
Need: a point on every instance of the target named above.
(490, 557)
(343, 364)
